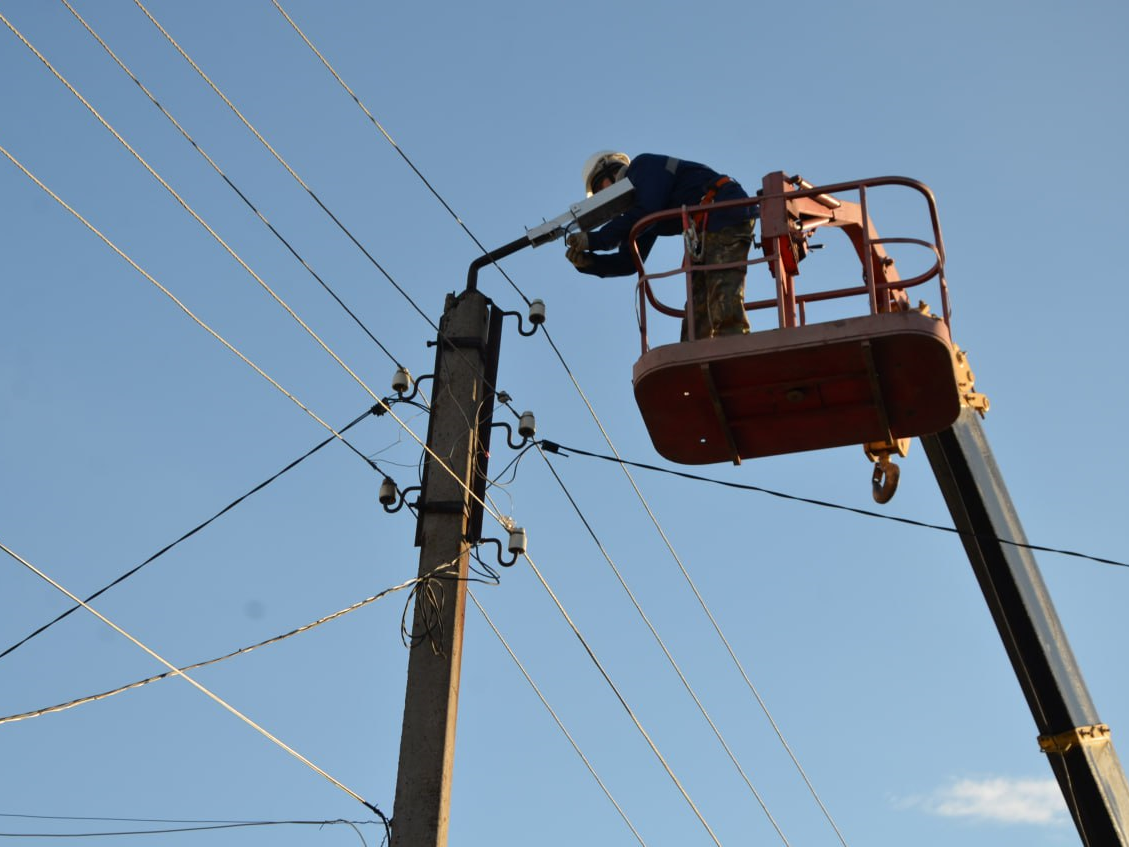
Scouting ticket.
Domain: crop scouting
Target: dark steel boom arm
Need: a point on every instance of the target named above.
(1076, 742)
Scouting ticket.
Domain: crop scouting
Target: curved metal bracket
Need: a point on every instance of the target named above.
(536, 318)
(405, 398)
(498, 544)
(509, 435)
(526, 426)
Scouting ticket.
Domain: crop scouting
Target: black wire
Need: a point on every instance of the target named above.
(200, 828)
(155, 820)
(553, 447)
(235, 188)
(195, 530)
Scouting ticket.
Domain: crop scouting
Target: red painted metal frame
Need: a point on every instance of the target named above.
(872, 378)
(783, 208)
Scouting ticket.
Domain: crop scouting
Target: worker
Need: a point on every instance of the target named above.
(663, 182)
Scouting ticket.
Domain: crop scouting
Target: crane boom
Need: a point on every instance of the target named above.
(1076, 742)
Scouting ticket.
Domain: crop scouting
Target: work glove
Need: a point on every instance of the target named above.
(579, 257)
(578, 240)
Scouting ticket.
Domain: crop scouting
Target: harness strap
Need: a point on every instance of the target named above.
(702, 217)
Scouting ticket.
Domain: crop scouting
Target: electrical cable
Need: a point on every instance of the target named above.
(230, 184)
(557, 720)
(227, 344)
(399, 150)
(518, 290)
(278, 157)
(285, 164)
(619, 696)
(216, 236)
(198, 686)
(188, 534)
(397, 147)
(231, 252)
(700, 598)
(202, 827)
(553, 447)
(481, 247)
(162, 288)
(295, 316)
(82, 701)
(666, 652)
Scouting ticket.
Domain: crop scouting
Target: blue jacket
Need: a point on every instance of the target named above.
(661, 182)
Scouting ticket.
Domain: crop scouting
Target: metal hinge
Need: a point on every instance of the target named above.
(966, 383)
(1077, 737)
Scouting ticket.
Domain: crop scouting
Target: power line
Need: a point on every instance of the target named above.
(230, 184)
(194, 530)
(82, 701)
(184, 204)
(553, 447)
(216, 236)
(396, 146)
(198, 686)
(622, 700)
(160, 820)
(284, 164)
(163, 289)
(557, 720)
(403, 155)
(666, 652)
(701, 599)
(301, 182)
(226, 343)
(197, 827)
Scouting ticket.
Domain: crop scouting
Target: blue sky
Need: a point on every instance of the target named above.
(125, 424)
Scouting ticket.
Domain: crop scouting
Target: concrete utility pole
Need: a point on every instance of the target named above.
(427, 743)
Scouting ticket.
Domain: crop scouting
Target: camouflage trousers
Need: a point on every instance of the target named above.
(718, 306)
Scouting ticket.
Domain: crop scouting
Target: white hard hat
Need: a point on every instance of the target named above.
(600, 162)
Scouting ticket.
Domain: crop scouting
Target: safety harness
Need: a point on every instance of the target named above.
(696, 233)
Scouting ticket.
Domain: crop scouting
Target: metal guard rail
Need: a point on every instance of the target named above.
(871, 286)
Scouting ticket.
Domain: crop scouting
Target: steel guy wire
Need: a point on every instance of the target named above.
(556, 719)
(198, 686)
(698, 595)
(439, 571)
(619, 696)
(230, 184)
(262, 283)
(226, 343)
(196, 529)
(396, 146)
(666, 652)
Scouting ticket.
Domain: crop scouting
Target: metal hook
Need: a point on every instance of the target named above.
(884, 481)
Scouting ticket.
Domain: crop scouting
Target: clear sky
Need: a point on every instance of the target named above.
(125, 424)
